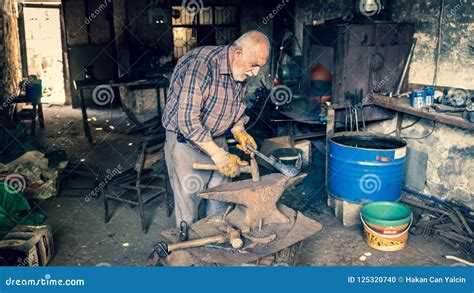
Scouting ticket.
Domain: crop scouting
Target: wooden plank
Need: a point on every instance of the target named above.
(403, 105)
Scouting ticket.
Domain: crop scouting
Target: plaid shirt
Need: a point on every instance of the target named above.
(203, 100)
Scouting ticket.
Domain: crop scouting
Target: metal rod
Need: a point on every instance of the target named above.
(405, 67)
(438, 43)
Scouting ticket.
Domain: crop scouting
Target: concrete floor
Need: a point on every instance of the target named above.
(82, 238)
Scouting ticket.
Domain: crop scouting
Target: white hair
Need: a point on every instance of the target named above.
(250, 39)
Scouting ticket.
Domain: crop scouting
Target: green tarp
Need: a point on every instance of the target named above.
(15, 210)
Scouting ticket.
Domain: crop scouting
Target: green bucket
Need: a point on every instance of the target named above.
(386, 213)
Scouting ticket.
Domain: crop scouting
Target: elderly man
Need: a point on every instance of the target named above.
(204, 101)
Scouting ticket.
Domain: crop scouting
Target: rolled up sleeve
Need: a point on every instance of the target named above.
(193, 92)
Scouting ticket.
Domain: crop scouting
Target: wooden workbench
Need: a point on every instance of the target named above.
(81, 85)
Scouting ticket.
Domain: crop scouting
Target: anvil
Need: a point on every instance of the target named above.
(257, 199)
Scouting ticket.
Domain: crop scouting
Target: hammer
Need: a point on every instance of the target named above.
(163, 249)
(252, 169)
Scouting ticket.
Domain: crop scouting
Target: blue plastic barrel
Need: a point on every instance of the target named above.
(364, 167)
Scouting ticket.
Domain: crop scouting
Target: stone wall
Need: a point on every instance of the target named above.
(450, 152)
(10, 62)
(456, 62)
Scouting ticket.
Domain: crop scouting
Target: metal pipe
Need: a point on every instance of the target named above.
(405, 67)
(438, 44)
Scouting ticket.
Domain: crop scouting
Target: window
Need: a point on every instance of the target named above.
(213, 25)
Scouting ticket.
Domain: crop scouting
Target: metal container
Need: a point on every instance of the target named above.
(363, 167)
(418, 98)
(289, 156)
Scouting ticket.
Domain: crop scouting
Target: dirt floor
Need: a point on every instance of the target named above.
(83, 239)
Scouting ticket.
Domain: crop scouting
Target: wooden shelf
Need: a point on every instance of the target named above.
(403, 105)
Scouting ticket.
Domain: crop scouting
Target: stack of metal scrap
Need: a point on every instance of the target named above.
(448, 222)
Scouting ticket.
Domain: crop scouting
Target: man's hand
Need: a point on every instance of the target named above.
(243, 138)
(227, 164)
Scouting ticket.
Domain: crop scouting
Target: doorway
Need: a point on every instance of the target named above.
(43, 46)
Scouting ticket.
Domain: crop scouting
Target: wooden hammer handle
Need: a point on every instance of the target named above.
(212, 167)
(254, 170)
(198, 242)
(203, 166)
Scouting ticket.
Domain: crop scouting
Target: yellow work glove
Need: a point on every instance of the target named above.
(227, 164)
(243, 138)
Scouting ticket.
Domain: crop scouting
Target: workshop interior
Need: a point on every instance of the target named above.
(352, 146)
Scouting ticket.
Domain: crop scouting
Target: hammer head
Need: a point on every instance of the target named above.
(161, 249)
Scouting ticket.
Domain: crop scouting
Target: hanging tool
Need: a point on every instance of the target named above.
(360, 104)
(354, 108)
(288, 171)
